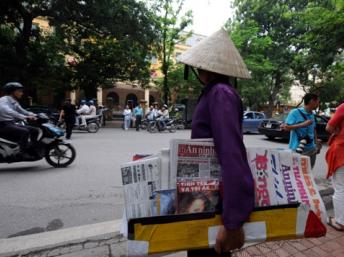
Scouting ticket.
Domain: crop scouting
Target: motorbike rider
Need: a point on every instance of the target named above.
(93, 109)
(163, 116)
(11, 112)
(82, 111)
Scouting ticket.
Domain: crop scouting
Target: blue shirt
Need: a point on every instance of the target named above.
(296, 117)
(10, 109)
(219, 115)
(138, 111)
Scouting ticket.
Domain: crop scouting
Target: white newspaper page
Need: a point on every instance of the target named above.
(140, 180)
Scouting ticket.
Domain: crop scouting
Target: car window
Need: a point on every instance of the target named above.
(259, 115)
(248, 115)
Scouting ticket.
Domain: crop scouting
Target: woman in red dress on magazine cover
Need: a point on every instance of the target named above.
(219, 115)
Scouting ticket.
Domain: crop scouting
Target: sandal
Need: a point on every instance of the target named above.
(332, 223)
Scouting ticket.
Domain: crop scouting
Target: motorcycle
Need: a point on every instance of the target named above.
(93, 124)
(49, 145)
(155, 126)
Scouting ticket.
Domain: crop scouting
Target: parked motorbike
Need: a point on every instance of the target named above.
(144, 124)
(93, 124)
(180, 123)
(49, 145)
(155, 126)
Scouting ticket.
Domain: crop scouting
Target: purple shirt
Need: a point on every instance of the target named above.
(219, 115)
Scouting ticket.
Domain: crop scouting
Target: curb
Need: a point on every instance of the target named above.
(101, 240)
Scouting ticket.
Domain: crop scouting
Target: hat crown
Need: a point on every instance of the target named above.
(218, 54)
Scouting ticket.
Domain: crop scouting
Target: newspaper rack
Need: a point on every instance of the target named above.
(160, 234)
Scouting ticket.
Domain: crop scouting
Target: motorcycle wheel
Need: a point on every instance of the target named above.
(180, 125)
(60, 155)
(172, 128)
(152, 128)
(92, 127)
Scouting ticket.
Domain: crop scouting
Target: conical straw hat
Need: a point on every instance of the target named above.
(218, 54)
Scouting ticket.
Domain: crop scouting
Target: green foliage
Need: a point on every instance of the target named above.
(109, 39)
(283, 41)
(184, 89)
(171, 26)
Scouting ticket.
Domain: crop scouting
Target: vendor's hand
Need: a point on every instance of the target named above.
(227, 240)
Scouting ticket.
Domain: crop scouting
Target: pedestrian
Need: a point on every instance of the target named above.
(127, 117)
(216, 59)
(335, 162)
(138, 113)
(301, 123)
(68, 114)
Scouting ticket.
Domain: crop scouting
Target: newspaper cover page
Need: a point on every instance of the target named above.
(193, 159)
(310, 189)
(278, 186)
(201, 195)
(140, 180)
(260, 165)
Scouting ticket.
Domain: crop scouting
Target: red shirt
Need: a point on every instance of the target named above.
(335, 152)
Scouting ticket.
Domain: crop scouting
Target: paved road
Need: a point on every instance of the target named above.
(33, 195)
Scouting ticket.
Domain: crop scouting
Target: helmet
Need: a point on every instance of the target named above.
(91, 102)
(165, 106)
(11, 87)
(83, 102)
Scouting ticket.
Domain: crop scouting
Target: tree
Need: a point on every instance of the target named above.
(179, 87)
(171, 26)
(283, 41)
(109, 40)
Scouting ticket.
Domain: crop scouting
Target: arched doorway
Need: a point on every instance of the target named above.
(131, 100)
(114, 96)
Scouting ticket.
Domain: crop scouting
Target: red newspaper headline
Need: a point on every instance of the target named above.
(188, 150)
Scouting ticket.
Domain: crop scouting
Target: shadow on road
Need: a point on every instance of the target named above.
(36, 168)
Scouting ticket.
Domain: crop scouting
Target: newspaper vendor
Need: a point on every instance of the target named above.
(219, 115)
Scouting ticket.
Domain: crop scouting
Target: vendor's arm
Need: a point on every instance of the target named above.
(238, 187)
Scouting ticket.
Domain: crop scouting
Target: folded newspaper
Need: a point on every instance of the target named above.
(186, 178)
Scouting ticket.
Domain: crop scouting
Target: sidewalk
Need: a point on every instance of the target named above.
(330, 246)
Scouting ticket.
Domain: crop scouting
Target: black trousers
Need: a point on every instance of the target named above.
(138, 122)
(206, 253)
(18, 133)
(69, 128)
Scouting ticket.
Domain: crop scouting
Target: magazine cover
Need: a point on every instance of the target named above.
(201, 195)
(164, 202)
(140, 180)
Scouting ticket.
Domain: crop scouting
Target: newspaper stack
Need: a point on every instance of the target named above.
(186, 179)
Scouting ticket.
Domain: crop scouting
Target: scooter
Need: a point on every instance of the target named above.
(155, 126)
(92, 124)
(49, 145)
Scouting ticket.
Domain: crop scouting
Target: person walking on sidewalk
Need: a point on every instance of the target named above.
(138, 113)
(335, 162)
(224, 125)
(301, 122)
(127, 117)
